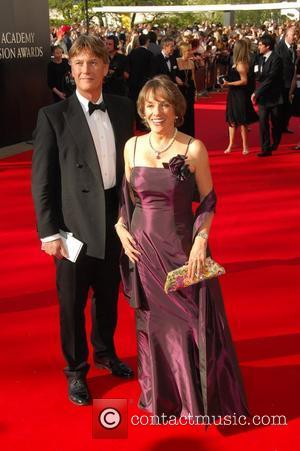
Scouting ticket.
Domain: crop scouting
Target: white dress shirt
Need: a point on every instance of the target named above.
(267, 55)
(104, 140)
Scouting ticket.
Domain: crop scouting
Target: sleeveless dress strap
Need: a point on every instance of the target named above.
(187, 149)
(134, 151)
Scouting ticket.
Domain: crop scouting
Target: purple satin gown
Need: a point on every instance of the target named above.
(186, 360)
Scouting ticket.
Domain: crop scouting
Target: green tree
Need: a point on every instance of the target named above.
(73, 11)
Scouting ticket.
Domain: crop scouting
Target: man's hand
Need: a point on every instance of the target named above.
(55, 248)
(253, 99)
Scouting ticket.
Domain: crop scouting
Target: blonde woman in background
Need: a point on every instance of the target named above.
(186, 83)
(133, 43)
(239, 108)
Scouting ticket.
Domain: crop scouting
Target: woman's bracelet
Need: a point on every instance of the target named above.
(121, 224)
(202, 234)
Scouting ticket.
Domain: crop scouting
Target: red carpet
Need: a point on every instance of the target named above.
(255, 235)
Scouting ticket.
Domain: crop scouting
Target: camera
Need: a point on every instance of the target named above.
(221, 79)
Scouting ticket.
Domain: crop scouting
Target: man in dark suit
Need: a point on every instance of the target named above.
(140, 71)
(165, 63)
(287, 52)
(76, 173)
(268, 95)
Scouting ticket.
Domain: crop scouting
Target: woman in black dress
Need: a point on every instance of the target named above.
(58, 67)
(239, 108)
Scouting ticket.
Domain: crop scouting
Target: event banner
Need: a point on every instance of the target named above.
(24, 55)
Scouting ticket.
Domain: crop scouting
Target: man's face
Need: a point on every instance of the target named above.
(88, 71)
(290, 35)
(169, 48)
(263, 49)
(110, 45)
(57, 54)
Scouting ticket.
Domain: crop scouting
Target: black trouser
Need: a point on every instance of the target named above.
(286, 110)
(267, 114)
(73, 283)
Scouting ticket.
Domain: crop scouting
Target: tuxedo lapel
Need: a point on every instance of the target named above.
(80, 131)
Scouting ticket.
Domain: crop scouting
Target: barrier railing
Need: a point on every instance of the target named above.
(207, 70)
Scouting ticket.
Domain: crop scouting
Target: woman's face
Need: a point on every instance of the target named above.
(186, 52)
(159, 113)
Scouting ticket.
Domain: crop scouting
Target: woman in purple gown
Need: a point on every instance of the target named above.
(186, 360)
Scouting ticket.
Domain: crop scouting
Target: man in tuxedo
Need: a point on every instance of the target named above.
(268, 95)
(165, 63)
(76, 174)
(287, 52)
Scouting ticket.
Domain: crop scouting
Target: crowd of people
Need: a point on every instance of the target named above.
(198, 59)
(97, 183)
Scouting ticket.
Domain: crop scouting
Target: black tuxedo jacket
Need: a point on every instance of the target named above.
(269, 91)
(160, 66)
(67, 183)
(288, 62)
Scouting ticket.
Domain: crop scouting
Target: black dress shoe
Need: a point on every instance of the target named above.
(115, 366)
(265, 153)
(290, 132)
(274, 147)
(78, 391)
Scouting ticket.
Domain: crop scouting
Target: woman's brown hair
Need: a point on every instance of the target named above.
(164, 87)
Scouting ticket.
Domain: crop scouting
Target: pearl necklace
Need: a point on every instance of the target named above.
(158, 152)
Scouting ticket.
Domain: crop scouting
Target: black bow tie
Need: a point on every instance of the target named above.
(96, 106)
(167, 59)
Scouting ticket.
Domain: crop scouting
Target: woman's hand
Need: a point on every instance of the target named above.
(197, 257)
(128, 243)
(179, 82)
(225, 83)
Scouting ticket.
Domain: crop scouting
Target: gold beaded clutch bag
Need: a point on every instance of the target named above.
(179, 277)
